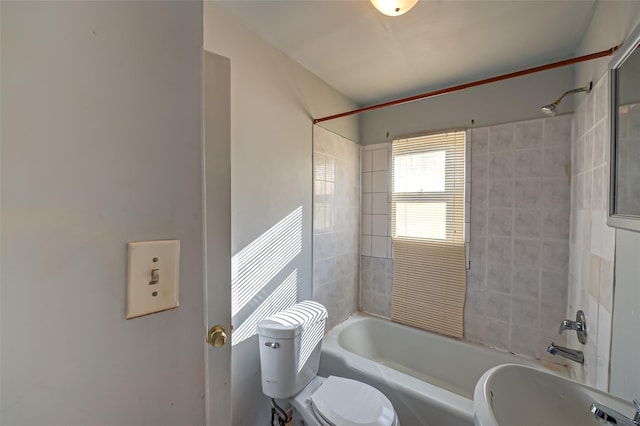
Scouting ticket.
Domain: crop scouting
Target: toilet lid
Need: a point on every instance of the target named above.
(347, 402)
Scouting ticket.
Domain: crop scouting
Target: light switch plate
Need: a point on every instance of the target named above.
(153, 273)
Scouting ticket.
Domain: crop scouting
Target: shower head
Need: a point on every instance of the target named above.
(550, 109)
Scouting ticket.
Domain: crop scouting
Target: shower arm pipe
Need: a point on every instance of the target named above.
(587, 89)
(426, 95)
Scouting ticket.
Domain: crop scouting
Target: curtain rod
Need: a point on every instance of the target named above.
(546, 67)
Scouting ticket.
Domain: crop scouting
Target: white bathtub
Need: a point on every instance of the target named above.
(429, 378)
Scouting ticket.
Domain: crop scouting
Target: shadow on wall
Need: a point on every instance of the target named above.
(256, 267)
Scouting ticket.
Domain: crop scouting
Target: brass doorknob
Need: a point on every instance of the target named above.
(216, 336)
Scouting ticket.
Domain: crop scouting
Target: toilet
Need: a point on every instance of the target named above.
(290, 344)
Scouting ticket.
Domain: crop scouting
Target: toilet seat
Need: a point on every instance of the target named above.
(345, 402)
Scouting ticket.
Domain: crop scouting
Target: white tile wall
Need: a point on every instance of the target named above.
(365, 248)
(376, 207)
(379, 247)
(379, 225)
(519, 229)
(367, 159)
(376, 269)
(336, 223)
(379, 181)
(380, 159)
(592, 242)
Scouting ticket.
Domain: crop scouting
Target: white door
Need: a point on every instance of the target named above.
(216, 171)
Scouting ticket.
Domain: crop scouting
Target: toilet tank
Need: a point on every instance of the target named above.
(290, 344)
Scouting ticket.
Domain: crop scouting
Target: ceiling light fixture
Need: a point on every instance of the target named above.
(394, 7)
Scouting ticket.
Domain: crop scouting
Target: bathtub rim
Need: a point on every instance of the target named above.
(547, 366)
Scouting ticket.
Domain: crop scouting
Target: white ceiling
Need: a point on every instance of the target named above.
(370, 57)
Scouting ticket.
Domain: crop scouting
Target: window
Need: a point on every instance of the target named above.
(428, 188)
(429, 282)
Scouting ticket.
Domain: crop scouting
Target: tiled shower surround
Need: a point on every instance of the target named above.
(519, 234)
(376, 269)
(591, 266)
(336, 224)
(540, 248)
(519, 251)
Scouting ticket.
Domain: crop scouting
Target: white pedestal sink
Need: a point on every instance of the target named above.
(515, 395)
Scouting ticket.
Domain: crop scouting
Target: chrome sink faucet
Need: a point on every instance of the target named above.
(572, 354)
(602, 412)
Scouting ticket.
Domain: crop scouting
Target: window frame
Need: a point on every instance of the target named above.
(449, 196)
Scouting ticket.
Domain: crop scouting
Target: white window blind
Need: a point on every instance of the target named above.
(429, 279)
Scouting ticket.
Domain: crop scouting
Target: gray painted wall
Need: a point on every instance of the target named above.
(273, 101)
(503, 102)
(101, 139)
(611, 24)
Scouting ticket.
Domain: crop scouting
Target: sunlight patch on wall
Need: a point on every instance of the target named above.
(284, 296)
(253, 267)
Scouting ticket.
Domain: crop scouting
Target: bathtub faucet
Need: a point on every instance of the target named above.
(602, 412)
(570, 325)
(572, 354)
(579, 325)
